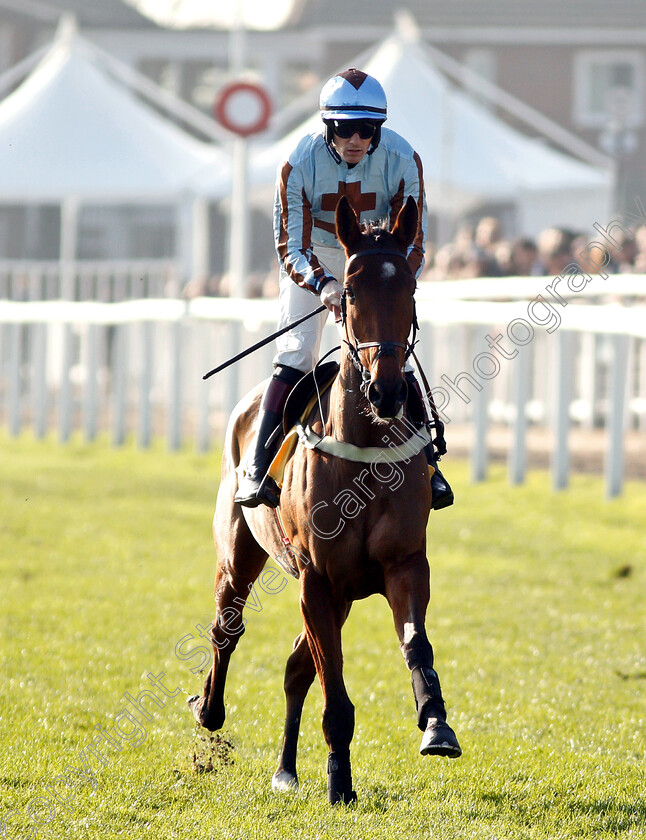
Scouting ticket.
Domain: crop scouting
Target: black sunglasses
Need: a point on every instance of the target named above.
(347, 128)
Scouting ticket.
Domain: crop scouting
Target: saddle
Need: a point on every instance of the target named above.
(316, 381)
(300, 403)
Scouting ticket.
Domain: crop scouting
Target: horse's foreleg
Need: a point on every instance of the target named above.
(407, 590)
(236, 573)
(323, 622)
(299, 675)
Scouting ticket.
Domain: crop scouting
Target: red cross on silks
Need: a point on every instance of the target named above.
(360, 201)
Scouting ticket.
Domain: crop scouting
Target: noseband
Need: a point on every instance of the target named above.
(384, 348)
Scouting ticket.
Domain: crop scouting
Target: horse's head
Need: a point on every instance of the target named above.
(378, 306)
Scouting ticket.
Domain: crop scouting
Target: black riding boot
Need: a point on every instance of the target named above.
(442, 495)
(440, 487)
(255, 488)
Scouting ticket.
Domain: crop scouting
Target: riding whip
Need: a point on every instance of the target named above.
(262, 343)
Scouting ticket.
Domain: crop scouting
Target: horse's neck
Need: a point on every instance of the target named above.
(349, 418)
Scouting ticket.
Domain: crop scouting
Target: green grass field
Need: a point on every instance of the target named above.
(537, 620)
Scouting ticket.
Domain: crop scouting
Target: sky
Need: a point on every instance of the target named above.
(257, 14)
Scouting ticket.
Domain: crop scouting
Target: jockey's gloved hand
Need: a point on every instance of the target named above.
(331, 297)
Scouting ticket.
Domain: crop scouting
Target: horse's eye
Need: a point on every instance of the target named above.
(349, 293)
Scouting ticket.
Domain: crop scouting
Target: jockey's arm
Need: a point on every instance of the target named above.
(413, 185)
(292, 228)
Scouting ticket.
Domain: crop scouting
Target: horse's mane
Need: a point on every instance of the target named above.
(378, 233)
(375, 228)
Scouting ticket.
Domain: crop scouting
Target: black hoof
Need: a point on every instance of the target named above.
(284, 782)
(439, 739)
(344, 798)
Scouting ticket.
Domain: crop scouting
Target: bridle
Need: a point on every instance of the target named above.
(384, 348)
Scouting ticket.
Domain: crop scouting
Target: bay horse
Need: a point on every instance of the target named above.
(347, 550)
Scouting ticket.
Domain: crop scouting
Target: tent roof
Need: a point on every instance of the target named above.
(70, 129)
(467, 146)
(470, 156)
(581, 14)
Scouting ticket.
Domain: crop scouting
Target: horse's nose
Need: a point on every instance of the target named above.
(387, 401)
(376, 393)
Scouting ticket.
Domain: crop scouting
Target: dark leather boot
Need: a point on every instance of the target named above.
(442, 495)
(255, 487)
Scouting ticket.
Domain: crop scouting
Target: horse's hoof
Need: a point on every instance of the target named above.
(439, 739)
(346, 798)
(212, 723)
(194, 705)
(284, 782)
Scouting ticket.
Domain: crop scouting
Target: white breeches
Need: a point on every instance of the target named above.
(299, 348)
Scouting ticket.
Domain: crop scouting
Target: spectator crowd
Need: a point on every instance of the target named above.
(481, 251)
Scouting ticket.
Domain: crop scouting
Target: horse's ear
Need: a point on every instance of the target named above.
(405, 228)
(348, 230)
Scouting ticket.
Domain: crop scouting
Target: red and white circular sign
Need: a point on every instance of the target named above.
(243, 108)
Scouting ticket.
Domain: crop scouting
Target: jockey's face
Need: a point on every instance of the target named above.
(351, 149)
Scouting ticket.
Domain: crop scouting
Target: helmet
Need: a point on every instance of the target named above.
(353, 95)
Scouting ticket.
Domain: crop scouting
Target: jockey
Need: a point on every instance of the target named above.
(377, 170)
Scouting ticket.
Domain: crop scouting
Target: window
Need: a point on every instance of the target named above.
(609, 85)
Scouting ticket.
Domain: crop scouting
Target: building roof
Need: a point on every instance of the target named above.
(586, 14)
(113, 14)
(428, 14)
(306, 14)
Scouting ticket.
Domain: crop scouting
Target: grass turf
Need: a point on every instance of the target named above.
(537, 620)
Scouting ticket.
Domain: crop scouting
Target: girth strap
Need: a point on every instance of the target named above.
(364, 454)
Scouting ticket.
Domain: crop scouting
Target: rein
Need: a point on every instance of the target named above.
(385, 348)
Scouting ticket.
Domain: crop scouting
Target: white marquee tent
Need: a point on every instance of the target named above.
(470, 156)
(71, 133)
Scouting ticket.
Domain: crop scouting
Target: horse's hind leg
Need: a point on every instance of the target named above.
(240, 561)
(407, 590)
(299, 675)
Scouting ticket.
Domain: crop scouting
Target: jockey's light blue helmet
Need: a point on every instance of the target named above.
(353, 95)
